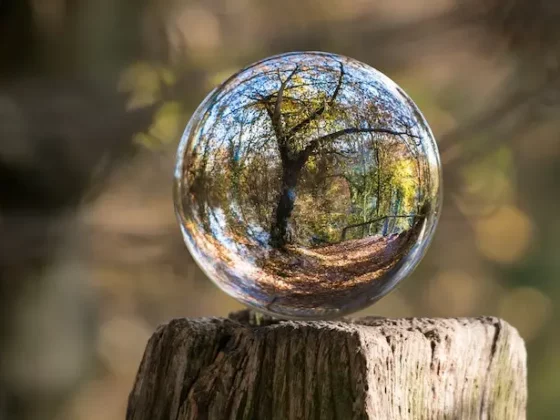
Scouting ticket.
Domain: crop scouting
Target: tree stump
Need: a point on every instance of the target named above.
(247, 367)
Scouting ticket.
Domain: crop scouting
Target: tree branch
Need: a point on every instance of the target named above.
(378, 219)
(319, 110)
(334, 152)
(276, 115)
(332, 136)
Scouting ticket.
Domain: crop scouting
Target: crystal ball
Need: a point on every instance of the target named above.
(307, 185)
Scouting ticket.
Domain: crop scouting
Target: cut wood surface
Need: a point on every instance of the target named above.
(249, 367)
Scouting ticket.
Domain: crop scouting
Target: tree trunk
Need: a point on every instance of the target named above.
(291, 170)
(378, 162)
(370, 368)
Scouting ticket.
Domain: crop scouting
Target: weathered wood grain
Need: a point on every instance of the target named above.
(370, 368)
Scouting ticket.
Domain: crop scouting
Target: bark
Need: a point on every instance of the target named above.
(371, 368)
(291, 170)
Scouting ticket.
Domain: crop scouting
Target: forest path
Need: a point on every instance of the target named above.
(333, 267)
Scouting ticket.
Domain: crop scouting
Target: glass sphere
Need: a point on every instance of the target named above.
(307, 185)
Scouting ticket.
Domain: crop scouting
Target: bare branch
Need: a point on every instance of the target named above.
(334, 152)
(378, 219)
(319, 111)
(276, 115)
(310, 149)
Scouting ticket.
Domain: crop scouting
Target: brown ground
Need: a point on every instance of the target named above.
(305, 278)
(333, 267)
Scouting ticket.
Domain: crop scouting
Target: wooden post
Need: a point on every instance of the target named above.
(246, 367)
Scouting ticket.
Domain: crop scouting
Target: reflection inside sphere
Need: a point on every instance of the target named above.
(307, 185)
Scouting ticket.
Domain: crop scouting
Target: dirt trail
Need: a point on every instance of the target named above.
(333, 267)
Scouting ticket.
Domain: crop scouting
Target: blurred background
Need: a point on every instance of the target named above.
(94, 96)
